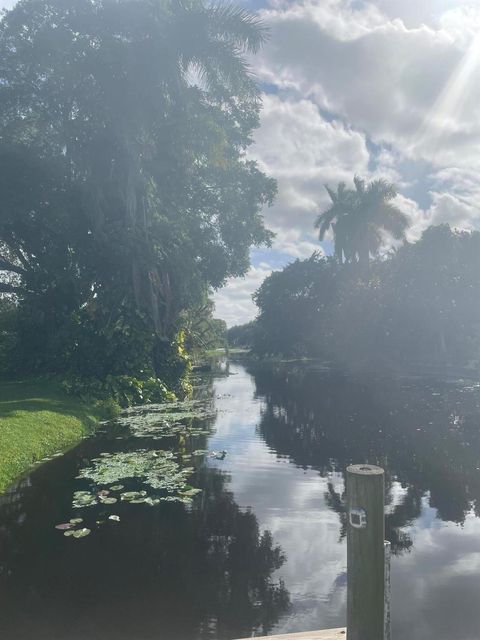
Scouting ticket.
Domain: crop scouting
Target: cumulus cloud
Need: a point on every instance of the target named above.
(234, 302)
(303, 150)
(384, 78)
(380, 88)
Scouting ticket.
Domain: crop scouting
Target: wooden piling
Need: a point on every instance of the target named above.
(365, 553)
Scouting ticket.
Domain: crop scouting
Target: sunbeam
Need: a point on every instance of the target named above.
(441, 121)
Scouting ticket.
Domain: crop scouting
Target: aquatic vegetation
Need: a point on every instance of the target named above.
(168, 419)
(83, 499)
(158, 470)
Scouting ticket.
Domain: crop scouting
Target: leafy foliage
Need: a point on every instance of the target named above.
(418, 305)
(125, 390)
(360, 218)
(241, 335)
(126, 193)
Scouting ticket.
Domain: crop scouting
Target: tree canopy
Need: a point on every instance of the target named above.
(361, 219)
(126, 191)
(420, 305)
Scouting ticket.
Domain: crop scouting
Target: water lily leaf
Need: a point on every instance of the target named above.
(200, 452)
(169, 419)
(114, 518)
(62, 527)
(76, 520)
(83, 499)
(81, 533)
(103, 492)
(191, 492)
(158, 470)
(132, 495)
(116, 487)
(218, 455)
(69, 532)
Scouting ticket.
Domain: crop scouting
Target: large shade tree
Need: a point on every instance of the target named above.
(361, 219)
(125, 190)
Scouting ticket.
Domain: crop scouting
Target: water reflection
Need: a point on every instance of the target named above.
(164, 572)
(426, 434)
(263, 548)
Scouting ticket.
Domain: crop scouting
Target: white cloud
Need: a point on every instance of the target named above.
(387, 88)
(234, 302)
(303, 151)
(382, 77)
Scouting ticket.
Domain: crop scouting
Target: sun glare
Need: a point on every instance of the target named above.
(441, 120)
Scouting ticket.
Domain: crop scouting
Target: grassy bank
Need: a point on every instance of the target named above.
(37, 419)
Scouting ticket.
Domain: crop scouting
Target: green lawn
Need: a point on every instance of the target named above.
(37, 419)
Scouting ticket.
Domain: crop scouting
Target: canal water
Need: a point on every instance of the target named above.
(262, 548)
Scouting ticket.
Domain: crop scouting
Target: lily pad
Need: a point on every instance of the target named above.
(132, 495)
(108, 500)
(191, 492)
(156, 469)
(116, 487)
(152, 501)
(169, 419)
(83, 499)
(76, 520)
(70, 532)
(81, 533)
(218, 455)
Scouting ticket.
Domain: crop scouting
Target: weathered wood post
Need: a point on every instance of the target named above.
(365, 553)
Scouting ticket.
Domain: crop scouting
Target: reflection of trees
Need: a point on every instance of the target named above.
(424, 433)
(165, 572)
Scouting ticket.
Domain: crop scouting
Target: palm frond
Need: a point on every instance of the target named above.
(393, 220)
(382, 190)
(242, 29)
(359, 184)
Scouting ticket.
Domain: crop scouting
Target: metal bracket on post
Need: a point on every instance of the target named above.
(358, 518)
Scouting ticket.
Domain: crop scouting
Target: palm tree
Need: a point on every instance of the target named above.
(361, 219)
(336, 218)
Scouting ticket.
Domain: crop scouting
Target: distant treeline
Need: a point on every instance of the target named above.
(420, 304)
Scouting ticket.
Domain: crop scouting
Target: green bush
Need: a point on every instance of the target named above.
(120, 391)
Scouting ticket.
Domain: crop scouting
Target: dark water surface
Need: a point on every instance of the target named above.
(262, 549)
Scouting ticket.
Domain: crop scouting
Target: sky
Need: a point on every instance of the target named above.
(379, 88)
